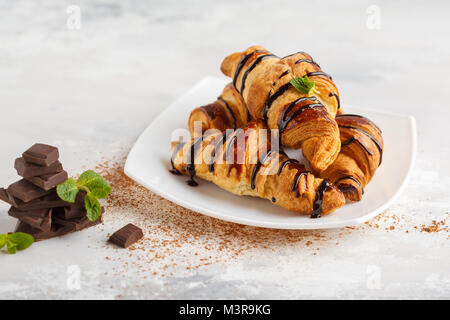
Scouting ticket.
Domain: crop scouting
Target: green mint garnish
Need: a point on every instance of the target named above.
(93, 184)
(98, 186)
(68, 190)
(92, 205)
(304, 85)
(16, 241)
(3, 238)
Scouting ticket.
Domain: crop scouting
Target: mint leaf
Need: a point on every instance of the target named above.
(21, 240)
(304, 85)
(68, 190)
(11, 246)
(96, 184)
(3, 240)
(93, 208)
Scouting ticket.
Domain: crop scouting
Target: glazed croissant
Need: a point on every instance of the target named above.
(360, 156)
(351, 171)
(244, 163)
(305, 121)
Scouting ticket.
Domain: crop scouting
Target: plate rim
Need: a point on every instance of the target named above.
(265, 224)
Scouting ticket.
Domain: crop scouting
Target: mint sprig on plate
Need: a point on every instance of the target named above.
(304, 85)
(95, 186)
(16, 241)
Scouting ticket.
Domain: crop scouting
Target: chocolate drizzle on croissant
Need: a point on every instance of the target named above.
(337, 99)
(266, 92)
(251, 67)
(351, 140)
(217, 145)
(258, 167)
(301, 171)
(360, 156)
(285, 120)
(319, 73)
(285, 163)
(262, 90)
(191, 164)
(242, 63)
(295, 53)
(284, 74)
(272, 97)
(229, 110)
(358, 116)
(293, 188)
(351, 178)
(307, 61)
(177, 148)
(317, 207)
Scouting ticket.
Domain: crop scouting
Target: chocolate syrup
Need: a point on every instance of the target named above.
(191, 165)
(380, 149)
(271, 98)
(176, 149)
(351, 178)
(229, 110)
(284, 73)
(284, 163)
(308, 61)
(231, 142)
(317, 205)
(319, 73)
(284, 122)
(237, 151)
(302, 52)
(241, 65)
(301, 171)
(251, 67)
(257, 167)
(218, 145)
(337, 98)
(359, 116)
(354, 139)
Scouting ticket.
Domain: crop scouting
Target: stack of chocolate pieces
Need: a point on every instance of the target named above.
(34, 201)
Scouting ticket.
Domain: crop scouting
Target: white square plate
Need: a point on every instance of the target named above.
(149, 160)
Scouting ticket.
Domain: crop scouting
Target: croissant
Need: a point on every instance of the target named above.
(244, 163)
(227, 112)
(305, 121)
(360, 156)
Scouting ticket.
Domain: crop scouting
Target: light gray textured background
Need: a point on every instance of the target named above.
(98, 87)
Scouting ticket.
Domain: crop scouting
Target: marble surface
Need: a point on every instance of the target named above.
(92, 90)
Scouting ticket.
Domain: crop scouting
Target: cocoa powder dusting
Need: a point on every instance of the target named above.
(175, 236)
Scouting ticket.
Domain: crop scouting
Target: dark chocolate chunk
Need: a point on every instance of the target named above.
(26, 169)
(39, 235)
(51, 200)
(26, 191)
(126, 236)
(76, 209)
(76, 224)
(48, 181)
(41, 154)
(40, 219)
(9, 199)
